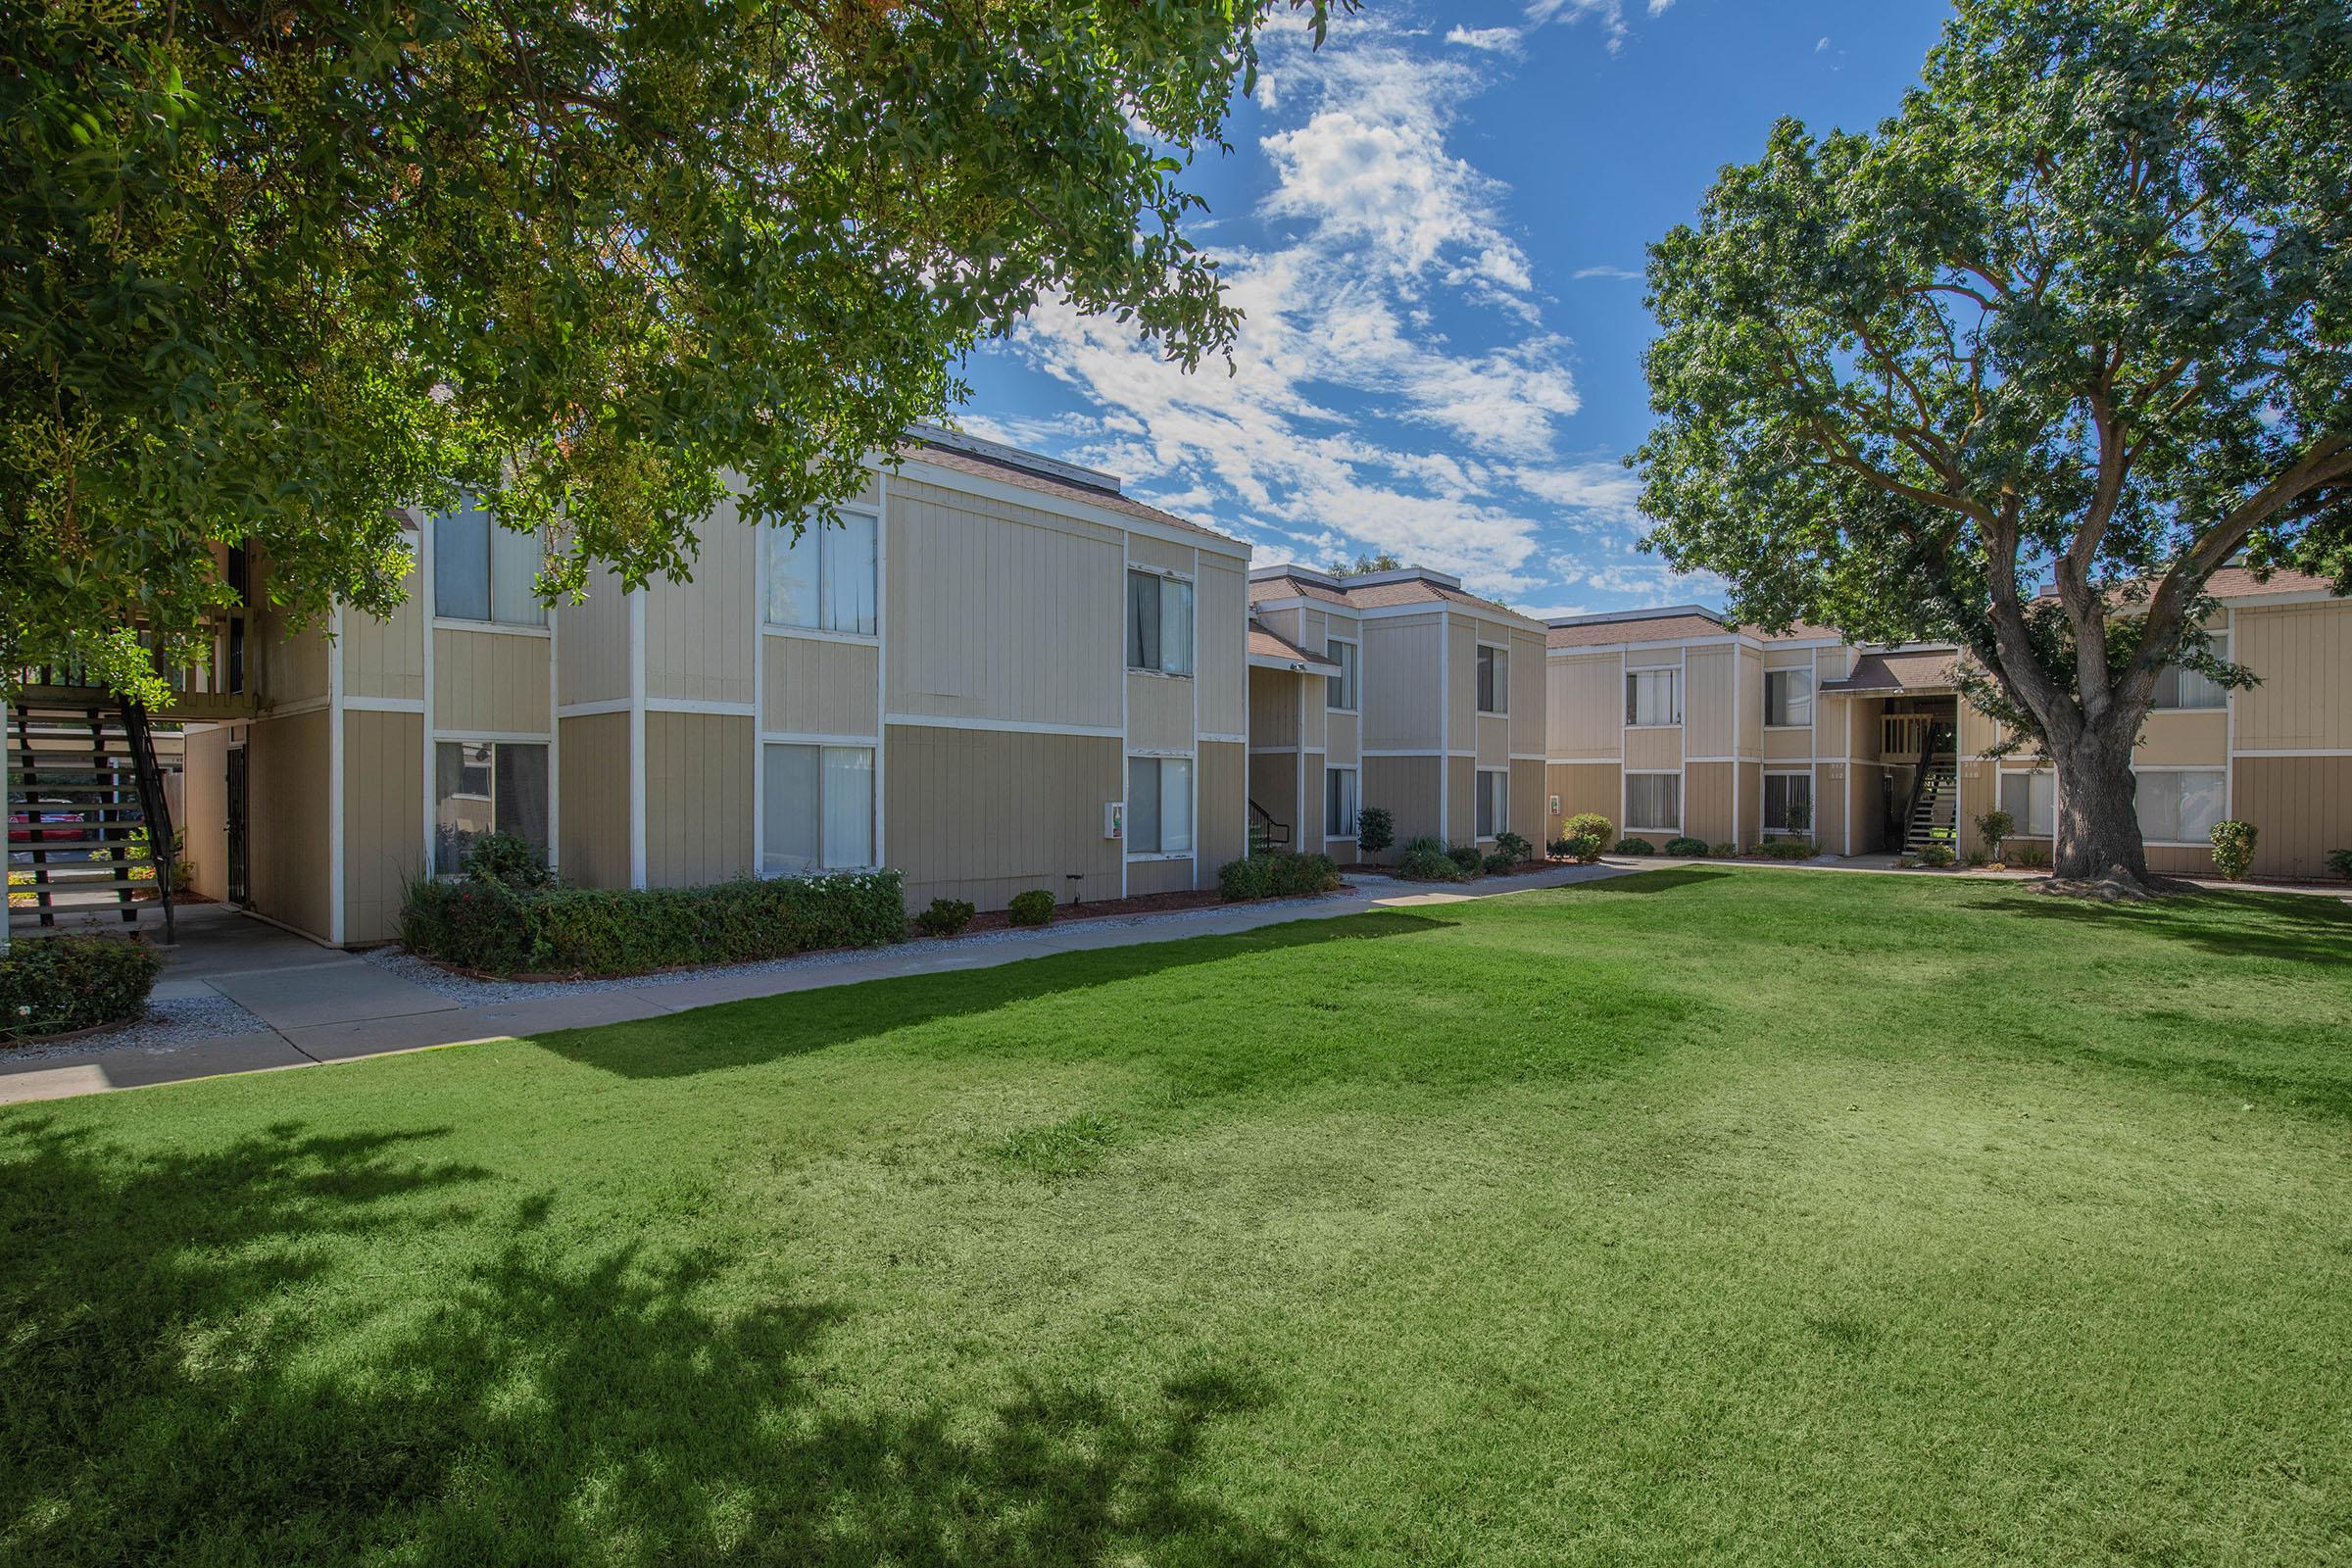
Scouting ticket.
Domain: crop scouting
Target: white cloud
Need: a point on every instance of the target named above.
(1608, 13)
(1823, 44)
(1622, 274)
(1504, 40)
(1650, 580)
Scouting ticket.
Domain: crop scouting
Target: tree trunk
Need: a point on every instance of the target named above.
(2098, 821)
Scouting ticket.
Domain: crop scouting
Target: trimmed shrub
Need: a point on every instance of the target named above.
(2340, 862)
(1994, 828)
(504, 859)
(1425, 859)
(50, 985)
(1789, 850)
(1375, 828)
(1501, 864)
(1240, 881)
(945, 917)
(1724, 852)
(1033, 907)
(2233, 847)
(1511, 847)
(1934, 855)
(1636, 847)
(1469, 857)
(1685, 846)
(497, 929)
(1582, 851)
(2032, 857)
(1279, 874)
(1590, 825)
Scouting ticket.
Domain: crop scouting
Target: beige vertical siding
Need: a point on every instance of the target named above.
(1707, 800)
(2302, 806)
(386, 658)
(2304, 656)
(1494, 740)
(1159, 713)
(1581, 787)
(204, 810)
(1653, 750)
(383, 819)
(592, 640)
(490, 683)
(1274, 698)
(1399, 680)
(818, 687)
(699, 778)
(1274, 785)
(1147, 877)
(1752, 803)
(1788, 745)
(1461, 682)
(1408, 786)
(1221, 608)
(2185, 737)
(289, 665)
(700, 633)
(1340, 732)
(1747, 712)
(1220, 785)
(1461, 800)
(1584, 707)
(1865, 809)
(1528, 802)
(1980, 791)
(1315, 713)
(289, 835)
(1829, 807)
(992, 611)
(594, 825)
(1710, 686)
(1145, 551)
(1310, 810)
(1530, 698)
(984, 815)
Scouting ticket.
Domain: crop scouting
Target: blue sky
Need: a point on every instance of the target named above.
(1435, 225)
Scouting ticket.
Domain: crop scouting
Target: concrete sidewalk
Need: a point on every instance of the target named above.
(316, 1005)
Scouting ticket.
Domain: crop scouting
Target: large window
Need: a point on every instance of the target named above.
(824, 580)
(2032, 801)
(1494, 680)
(1160, 623)
(484, 573)
(2185, 688)
(816, 809)
(1788, 803)
(1653, 802)
(1494, 801)
(1339, 803)
(1159, 805)
(1788, 698)
(1338, 691)
(486, 787)
(2179, 806)
(1654, 696)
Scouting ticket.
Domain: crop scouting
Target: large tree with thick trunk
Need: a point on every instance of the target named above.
(2080, 311)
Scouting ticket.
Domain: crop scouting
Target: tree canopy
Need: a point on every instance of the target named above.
(2082, 308)
(270, 270)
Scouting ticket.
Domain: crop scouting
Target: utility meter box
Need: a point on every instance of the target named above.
(1114, 819)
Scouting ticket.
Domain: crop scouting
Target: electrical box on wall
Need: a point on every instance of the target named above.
(1114, 819)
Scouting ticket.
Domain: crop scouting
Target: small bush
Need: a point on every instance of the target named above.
(509, 862)
(1425, 859)
(2233, 847)
(1937, 856)
(2032, 857)
(1588, 825)
(1724, 852)
(1033, 907)
(1685, 846)
(2340, 862)
(1582, 851)
(50, 985)
(1469, 857)
(1375, 828)
(1501, 864)
(1636, 847)
(1240, 881)
(1994, 828)
(945, 917)
(1787, 849)
(1278, 874)
(1513, 847)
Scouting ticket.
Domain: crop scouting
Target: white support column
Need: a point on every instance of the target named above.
(335, 776)
(882, 667)
(637, 829)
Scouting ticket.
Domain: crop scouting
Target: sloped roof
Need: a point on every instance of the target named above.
(1288, 587)
(1048, 484)
(1389, 591)
(1801, 632)
(1927, 669)
(1664, 628)
(1268, 644)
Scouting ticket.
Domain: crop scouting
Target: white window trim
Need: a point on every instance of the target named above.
(1502, 688)
(1812, 687)
(771, 533)
(1126, 767)
(1625, 694)
(2228, 696)
(1504, 775)
(2223, 768)
(1763, 795)
(1680, 806)
(1357, 642)
(2005, 773)
(432, 796)
(1328, 837)
(819, 634)
(818, 744)
(502, 628)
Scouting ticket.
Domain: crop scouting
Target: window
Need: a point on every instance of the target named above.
(824, 580)
(1159, 805)
(1787, 698)
(484, 573)
(2032, 801)
(1653, 802)
(1494, 680)
(2179, 806)
(486, 787)
(2185, 688)
(1493, 803)
(1160, 623)
(1654, 696)
(1788, 803)
(1338, 691)
(1339, 803)
(816, 809)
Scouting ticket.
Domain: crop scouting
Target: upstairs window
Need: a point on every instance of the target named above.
(1494, 680)
(484, 573)
(1160, 623)
(1338, 691)
(1787, 698)
(1654, 698)
(2178, 688)
(824, 580)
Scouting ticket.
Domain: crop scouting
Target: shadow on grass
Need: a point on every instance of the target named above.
(797, 1023)
(2293, 926)
(302, 1349)
(1653, 881)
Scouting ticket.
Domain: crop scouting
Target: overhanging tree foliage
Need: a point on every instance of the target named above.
(271, 270)
(2084, 307)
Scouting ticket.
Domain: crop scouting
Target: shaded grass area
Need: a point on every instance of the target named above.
(1706, 1216)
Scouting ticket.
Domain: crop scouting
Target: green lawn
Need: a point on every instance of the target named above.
(1707, 1216)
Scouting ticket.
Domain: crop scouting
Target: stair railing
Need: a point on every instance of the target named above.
(1269, 833)
(1919, 782)
(155, 807)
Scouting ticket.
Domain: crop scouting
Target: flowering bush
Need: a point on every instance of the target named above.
(50, 985)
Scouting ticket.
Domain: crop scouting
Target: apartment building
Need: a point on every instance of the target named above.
(1394, 689)
(998, 672)
(1673, 722)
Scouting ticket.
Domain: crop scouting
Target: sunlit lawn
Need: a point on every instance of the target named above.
(1710, 1215)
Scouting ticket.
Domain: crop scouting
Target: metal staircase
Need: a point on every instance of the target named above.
(1265, 834)
(1933, 815)
(88, 824)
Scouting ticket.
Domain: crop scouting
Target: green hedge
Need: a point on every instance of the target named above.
(1687, 845)
(1033, 907)
(497, 929)
(1276, 874)
(1787, 849)
(50, 985)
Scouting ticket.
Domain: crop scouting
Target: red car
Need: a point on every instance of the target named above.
(32, 827)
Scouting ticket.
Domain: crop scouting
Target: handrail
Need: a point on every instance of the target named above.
(1268, 828)
(1919, 780)
(155, 808)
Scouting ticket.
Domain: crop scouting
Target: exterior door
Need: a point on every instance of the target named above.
(238, 891)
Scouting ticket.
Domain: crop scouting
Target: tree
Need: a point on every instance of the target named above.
(1383, 562)
(273, 270)
(2082, 308)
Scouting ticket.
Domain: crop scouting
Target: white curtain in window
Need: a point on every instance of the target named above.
(792, 568)
(1175, 805)
(2180, 807)
(1339, 802)
(791, 812)
(2032, 801)
(461, 565)
(1788, 697)
(849, 568)
(1175, 626)
(1143, 805)
(848, 824)
(1494, 680)
(1338, 691)
(1651, 697)
(515, 562)
(1493, 804)
(1654, 801)
(2187, 688)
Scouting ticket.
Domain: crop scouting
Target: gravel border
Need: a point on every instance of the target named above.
(166, 1026)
